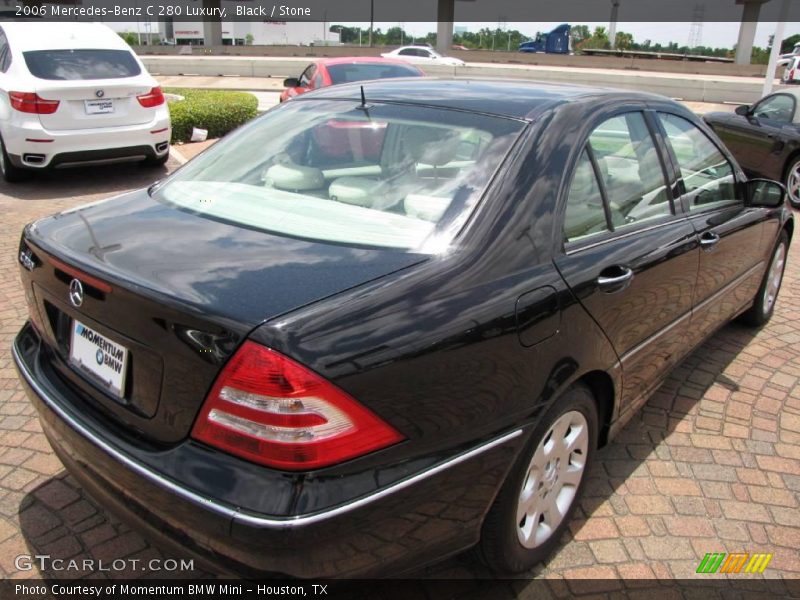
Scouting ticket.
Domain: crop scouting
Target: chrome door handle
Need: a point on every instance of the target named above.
(615, 283)
(708, 240)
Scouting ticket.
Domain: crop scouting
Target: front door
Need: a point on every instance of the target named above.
(629, 256)
(729, 233)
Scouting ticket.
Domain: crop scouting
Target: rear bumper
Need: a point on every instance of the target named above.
(32, 146)
(419, 519)
(89, 157)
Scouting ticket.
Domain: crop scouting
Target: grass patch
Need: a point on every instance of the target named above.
(218, 111)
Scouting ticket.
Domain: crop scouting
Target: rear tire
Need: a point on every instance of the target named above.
(158, 161)
(766, 297)
(536, 502)
(10, 172)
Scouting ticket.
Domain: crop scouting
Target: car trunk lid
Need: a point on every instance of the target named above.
(95, 104)
(182, 292)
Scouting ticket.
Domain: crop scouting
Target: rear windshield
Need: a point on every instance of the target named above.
(360, 72)
(81, 64)
(391, 176)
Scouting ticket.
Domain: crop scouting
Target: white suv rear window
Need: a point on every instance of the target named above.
(81, 64)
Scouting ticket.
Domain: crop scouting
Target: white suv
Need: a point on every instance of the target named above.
(75, 93)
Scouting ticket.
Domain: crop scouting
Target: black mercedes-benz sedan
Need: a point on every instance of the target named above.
(386, 322)
(765, 138)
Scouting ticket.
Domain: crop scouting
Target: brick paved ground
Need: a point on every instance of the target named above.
(712, 463)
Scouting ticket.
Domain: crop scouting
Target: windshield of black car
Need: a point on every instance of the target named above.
(389, 176)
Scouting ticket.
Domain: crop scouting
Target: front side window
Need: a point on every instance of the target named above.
(81, 64)
(393, 176)
(307, 75)
(707, 175)
(779, 107)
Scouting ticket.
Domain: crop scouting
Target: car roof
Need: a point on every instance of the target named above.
(28, 35)
(519, 99)
(415, 47)
(363, 60)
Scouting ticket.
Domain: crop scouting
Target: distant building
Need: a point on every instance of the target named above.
(288, 33)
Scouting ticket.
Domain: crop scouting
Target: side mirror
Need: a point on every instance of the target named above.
(291, 82)
(745, 110)
(765, 193)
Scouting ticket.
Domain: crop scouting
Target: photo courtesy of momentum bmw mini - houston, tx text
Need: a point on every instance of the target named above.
(316, 299)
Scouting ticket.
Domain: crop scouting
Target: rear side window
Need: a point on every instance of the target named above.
(631, 170)
(5, 52)
(81, 64)
(707, 175)
(360, 72)
(618, 181)
(585, 214)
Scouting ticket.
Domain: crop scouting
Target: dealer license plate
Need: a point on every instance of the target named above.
(100, 357)
(98, 107)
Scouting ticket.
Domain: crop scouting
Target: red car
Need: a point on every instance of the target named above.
(331, 71)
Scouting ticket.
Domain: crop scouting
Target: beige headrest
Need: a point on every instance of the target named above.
(295, 178)
(431, 145)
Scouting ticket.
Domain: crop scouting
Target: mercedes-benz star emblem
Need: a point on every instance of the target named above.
(99, 93)
(75, 293)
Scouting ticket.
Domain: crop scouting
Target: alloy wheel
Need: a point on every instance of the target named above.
(774, 277)
(552, 481)
(793, 183)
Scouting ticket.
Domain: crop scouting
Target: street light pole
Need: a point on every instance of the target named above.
(371, 19)
(776, 48)
(612, 26)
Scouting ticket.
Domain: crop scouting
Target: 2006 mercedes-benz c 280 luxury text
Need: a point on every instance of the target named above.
(389, 321)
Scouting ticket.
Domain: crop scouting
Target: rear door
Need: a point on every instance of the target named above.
(629, 256)
(96, 87)
(731, 235)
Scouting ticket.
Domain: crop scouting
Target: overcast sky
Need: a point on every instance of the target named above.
(715, 35)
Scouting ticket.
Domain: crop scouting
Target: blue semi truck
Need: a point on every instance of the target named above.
(555, 42)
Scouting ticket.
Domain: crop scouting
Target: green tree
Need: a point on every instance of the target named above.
(623, 41)
(579, 33)
(598, 40)
(130, 38)
(788, 44)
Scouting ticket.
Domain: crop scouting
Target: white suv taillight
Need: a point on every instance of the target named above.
(30, 102)
(153, 98)
(269, 409)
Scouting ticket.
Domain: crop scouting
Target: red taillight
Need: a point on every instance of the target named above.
(269, 409)
(152, 98)
(30, 102)
(791, 75)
